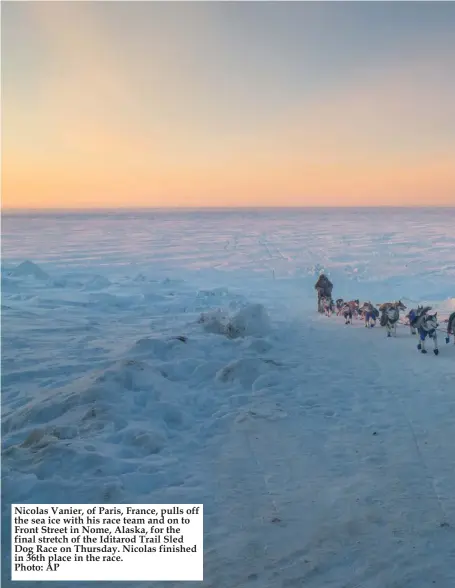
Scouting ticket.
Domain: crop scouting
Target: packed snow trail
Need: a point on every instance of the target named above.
(322, 452)
(341, 474)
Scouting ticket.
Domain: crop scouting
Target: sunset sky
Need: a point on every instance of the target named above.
(122, 104)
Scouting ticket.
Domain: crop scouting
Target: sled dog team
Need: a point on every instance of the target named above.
(420, 320)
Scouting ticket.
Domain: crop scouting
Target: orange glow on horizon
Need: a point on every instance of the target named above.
(92, 130)
(311, 185)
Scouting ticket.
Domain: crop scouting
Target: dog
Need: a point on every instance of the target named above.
(339, 305)
(415, 317)
(451, 328)
(428, 327)
(385, 305)
(354, 305)
(322, 296)
(327, 305)
(369, 314)
(390, 314)
(346, 312)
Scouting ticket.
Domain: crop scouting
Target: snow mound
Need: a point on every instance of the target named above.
(97, 405)
(29, 269)
(140, 440)
(215, 321)
(97, 283)
(252, 320)
(127, 374)
(256, 346)
(245, 371)
(156, 348)
(104, 387)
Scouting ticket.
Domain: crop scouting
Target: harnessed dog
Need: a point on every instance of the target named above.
(348, 310)
(369, 313)
(390, 314)
(416, 316)
(428, 328)
(327, 305)
(339, 305)
(355, 307)
(451, 328)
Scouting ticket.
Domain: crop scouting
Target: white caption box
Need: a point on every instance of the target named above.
(116, 542)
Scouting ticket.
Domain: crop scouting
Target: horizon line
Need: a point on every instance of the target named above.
(215, 208)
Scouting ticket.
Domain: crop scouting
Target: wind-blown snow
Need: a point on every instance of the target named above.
(177, 357)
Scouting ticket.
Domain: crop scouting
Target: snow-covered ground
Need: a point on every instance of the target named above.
(323, 453)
